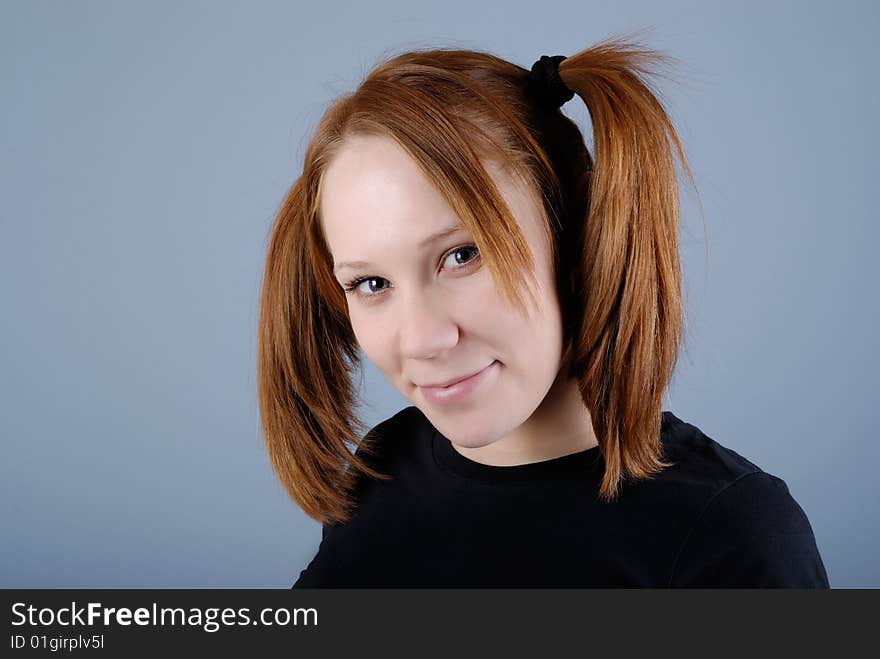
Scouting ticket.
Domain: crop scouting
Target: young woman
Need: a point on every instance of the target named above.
(525, 296)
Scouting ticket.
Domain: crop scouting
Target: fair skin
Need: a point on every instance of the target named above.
(424, 314)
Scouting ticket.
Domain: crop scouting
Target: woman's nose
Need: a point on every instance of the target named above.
(425, 327)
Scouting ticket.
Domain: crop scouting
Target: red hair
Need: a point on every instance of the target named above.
(613, 220)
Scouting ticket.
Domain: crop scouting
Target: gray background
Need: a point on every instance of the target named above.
(147, 146)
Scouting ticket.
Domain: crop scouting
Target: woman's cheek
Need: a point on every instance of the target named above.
(361, 329)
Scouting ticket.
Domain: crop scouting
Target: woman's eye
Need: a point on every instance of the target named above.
(356, 284)
(465, 249)
(374, 290)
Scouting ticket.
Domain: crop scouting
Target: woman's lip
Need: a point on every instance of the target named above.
(452, 382)
(460, 390)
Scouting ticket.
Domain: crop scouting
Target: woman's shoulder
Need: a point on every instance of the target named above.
(705, 466)
(711, 480)
(747, 527)
(695, 453)
(751, 532)
(390, 442)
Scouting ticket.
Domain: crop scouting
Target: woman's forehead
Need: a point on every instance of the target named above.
(374, 180)
(374, 197)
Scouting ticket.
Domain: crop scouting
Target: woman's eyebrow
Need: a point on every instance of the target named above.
(442, 233)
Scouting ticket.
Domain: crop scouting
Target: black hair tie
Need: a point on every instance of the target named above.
(545, 85)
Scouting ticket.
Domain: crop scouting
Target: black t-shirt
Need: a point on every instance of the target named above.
(714, 519)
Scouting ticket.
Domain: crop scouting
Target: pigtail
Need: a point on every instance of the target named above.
(305, 355)
(626, 260)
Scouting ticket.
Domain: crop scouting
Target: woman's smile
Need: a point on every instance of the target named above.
(462, 389)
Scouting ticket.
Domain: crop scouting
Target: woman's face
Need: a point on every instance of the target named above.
(426, 311)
